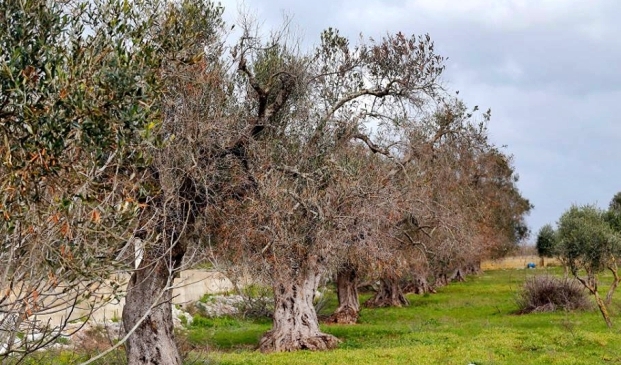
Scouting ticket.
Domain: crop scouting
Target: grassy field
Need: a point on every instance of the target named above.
(464, 323)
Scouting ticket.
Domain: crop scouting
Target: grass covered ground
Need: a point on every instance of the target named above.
(464, 323)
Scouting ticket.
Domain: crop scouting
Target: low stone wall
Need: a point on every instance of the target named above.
(189, 287)
(518, 262)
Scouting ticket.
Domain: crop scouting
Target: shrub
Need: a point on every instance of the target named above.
(547, 293)
(257, 301)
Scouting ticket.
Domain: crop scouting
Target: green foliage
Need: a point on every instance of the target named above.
(68, 92)
(546, 241)
(586, 240)
(613, 214)
(82, 79)
(204, 322)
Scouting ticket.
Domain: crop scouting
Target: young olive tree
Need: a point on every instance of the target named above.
(586, 242)
(613, 214)
(546, 241)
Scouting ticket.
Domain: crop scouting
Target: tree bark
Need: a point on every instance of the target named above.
(458, 275)
(295, 323)
(615, 283)
(153, 341)
(149, 292)
(591, 284)
(441, 280)
(389, 294)
(474, 268)
(347, 292)
(603, 310)
(418, 285)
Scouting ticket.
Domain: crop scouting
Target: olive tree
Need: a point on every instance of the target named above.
(613, 214)
(546, 241)
(586, 242)
(83, 90)
(475, 209)
(299, 200)
(73, 104)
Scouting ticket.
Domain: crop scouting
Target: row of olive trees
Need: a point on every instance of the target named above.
(133, 122)
(587, 241)
(461, 206)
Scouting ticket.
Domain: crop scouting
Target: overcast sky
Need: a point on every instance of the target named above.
(550, 70)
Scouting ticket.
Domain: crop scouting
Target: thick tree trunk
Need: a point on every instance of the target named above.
(295, 324)
(458, 275)
(153, 342)
(347, 292)
(441, 280)
(418, 285)
(474, 268)
(149, 292)
(389, 294)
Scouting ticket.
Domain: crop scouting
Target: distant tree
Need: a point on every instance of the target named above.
(613, 214)
(587, 242)
(546, 241)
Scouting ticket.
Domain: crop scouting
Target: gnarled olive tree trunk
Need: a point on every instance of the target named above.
(152, 342)
(347, 292)
(295, 324)
(418, 285)
(389, 294)
(458, 275)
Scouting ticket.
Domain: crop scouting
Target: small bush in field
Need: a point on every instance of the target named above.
(548, 293)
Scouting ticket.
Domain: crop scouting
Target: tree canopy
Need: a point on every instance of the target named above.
(546, 241)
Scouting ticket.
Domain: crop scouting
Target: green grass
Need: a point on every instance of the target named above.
(464, 323)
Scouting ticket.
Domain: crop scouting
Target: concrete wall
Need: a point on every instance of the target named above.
(189, 287)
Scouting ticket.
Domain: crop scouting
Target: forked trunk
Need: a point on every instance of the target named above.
(153, 341)
(458, 275)
(388, 295)
(149, 292)
(347, 292)
(295, 325)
